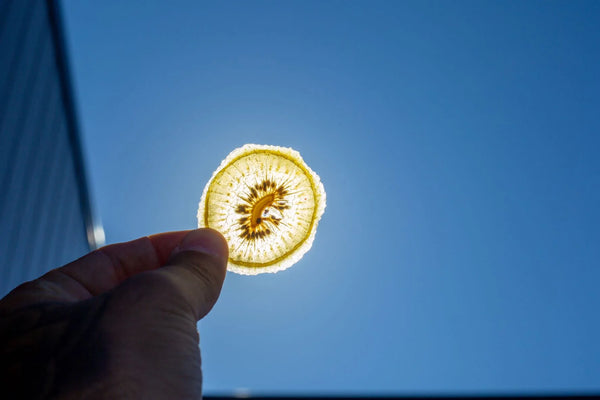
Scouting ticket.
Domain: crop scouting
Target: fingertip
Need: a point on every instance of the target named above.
(204, 240)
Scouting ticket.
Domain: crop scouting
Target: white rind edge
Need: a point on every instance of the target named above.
(321, 203)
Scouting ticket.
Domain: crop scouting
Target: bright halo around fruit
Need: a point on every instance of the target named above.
(267, 203)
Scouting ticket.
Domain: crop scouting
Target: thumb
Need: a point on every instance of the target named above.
(196, 269)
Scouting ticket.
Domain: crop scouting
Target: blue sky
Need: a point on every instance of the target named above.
(458, 144)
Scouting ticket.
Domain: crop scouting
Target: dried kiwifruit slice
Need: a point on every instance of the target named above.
(267, 203)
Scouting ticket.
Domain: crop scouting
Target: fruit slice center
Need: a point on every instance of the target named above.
(260, 207)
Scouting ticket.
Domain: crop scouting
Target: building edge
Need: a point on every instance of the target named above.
(93, 227)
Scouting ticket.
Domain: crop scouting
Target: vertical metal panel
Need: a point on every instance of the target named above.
(45, 210)
(25, 173)
(15, 92)
(45, 213)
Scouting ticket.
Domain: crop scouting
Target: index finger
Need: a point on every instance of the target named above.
(96, 272)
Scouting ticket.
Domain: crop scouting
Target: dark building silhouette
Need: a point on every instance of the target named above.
(45, 214)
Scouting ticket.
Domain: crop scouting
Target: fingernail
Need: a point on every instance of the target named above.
(206, 241)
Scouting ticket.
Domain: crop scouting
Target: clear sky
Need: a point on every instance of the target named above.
(458, 143)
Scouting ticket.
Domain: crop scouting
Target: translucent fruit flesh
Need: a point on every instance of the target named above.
(267, 203)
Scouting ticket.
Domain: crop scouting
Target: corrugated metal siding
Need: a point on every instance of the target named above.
(44, 210)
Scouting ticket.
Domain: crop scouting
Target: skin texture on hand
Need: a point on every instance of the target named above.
(119, 322)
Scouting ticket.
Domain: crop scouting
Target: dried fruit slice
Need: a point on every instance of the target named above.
(267, 203)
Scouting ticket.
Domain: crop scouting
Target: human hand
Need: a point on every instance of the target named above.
(119, 322)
